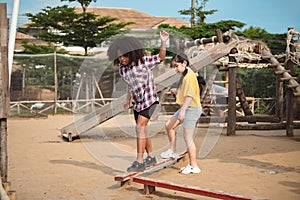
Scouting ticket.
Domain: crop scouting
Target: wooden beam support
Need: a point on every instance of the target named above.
(289, 113)
(288, 78)
(281, 72)
(279, 67)
(150, 184)
(4, 91)
(232, 94)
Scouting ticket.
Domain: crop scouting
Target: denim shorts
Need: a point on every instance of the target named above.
(191, 116)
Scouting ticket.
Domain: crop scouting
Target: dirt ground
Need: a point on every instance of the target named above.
(258, 164)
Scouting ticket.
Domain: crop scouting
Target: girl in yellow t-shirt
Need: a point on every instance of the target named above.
(188, 97)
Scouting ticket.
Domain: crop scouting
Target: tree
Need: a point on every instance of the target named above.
(40, 49)
(197, 13)
(205, 30)
(276, 42)
(63, 25)
(84, 3)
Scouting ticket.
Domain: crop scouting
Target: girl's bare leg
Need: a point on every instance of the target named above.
(191, 147)
(170, 126)
(143, 141)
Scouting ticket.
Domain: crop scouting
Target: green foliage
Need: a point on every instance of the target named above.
(205, 30)
(84, 3)
(276, 42)
(63, 25)
(198, 13)
(258, 83)
(40, 49)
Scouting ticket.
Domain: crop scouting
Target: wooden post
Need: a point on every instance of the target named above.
(279, 99)
(289, 93)
(289, 112)
(4, 91)
(242, 98)
(232, 94)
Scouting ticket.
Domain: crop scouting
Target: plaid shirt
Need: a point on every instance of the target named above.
(141, 82)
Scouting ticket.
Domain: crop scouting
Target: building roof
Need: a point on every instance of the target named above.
(141, 20)
(30, 39)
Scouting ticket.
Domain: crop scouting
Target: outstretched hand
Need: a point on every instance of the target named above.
(164, 36)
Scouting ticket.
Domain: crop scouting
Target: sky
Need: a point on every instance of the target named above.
(275, 16)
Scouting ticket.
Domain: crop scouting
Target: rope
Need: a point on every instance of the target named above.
(293, 56)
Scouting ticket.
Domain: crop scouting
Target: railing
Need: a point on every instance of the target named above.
(85, 106)
(72, 106)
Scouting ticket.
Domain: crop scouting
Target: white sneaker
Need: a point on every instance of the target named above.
(190, 170)
(221, 125)
(169, 154)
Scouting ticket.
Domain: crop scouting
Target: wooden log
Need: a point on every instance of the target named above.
(266, 57)
(4, 91)
(209, 120)
(281, 72)
(232, 94)
(150, 185)
(291, 87)
(273, 126)
(279, 99)
(258, 118)
(269, 126)
(219, 38)
(279, 67)
(289, 113)
(273, 65)
(242, 98)
(288, 78)
(219, 35)
(249, 118)
(4, 74)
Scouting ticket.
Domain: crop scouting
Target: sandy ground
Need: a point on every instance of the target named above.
(261, 164)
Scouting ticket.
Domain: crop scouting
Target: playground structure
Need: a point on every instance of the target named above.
(235, 91)
(226, 51)
(224, 46)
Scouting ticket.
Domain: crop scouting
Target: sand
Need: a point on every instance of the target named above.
(260, 164)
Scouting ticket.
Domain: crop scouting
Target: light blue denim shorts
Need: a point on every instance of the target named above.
(191, 116)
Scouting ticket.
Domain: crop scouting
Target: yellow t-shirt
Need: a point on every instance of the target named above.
(189, 87)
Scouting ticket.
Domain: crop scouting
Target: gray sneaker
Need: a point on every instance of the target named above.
(149, 161)
(136, 167)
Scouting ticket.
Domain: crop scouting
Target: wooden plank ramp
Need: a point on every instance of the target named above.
(163, 81)
(150, 184)
(124, 178)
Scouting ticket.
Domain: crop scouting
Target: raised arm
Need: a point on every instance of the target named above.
(164, 36)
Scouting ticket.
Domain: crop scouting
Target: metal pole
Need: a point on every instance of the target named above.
(55, 82)
(12, 36)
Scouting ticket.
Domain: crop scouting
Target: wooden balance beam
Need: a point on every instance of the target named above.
(150, 184)
(124, 178)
